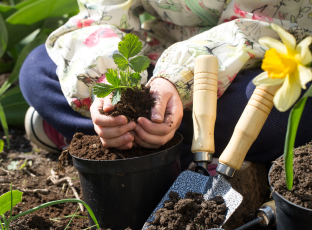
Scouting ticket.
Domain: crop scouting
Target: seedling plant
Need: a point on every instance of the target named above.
(129, 68)
(13, 197)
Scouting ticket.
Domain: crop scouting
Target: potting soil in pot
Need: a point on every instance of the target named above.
(190, 213)
(301, 193)
(90, 147)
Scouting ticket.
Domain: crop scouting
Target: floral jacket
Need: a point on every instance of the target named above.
(176, 32)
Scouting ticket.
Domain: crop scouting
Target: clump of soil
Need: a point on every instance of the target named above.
(190, 213)
(134, 103)
(301, 193)
(90, 147)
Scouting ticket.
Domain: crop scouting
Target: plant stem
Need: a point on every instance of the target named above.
(71, 219)
(58, 202)
(6, 222)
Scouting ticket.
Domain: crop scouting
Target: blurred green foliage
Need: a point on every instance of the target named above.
(24, 25)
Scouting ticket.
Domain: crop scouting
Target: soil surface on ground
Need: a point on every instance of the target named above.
(90, 147)
(301, 192)
(36, 177)
(134, 103)
(191, 213)
(40, 167)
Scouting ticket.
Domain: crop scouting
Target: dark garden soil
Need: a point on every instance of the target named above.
(301, 193)
(36, 177)
(190, 213)
(134, 103)
(90, 147)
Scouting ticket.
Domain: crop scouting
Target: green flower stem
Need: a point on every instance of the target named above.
(58, 202)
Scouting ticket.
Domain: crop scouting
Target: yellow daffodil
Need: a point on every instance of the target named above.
(285, 63)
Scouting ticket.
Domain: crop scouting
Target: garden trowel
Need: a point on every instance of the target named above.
(204, 116)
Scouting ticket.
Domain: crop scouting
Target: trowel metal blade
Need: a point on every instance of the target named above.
(189, 181)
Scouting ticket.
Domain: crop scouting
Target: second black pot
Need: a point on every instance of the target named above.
(123, 193)
(290, 216)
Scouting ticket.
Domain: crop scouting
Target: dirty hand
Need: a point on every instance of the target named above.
(166, 116)
(113, 131)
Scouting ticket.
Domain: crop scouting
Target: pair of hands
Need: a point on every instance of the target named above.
(166, 118)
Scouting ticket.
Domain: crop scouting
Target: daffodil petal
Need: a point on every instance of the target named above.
(287, 95)
(287, 38)
(305, 75)
(273, 43)
(264, 80)
(303, 49)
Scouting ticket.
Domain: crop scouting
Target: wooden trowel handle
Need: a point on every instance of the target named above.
(205, 103)
(249, 126)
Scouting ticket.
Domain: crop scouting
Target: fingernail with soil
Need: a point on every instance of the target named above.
(130, 137)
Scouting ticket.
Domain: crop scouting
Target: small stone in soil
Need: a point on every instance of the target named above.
(191, 213)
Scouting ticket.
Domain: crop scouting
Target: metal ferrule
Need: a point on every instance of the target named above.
(268, 216)
(225, 170)
(203, 157)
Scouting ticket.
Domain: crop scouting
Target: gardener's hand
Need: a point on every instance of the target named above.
(113, 131)
(166, 116)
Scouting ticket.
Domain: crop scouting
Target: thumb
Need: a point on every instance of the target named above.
(159, 109)
(107, 106)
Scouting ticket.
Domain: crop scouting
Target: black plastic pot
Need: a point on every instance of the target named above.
(290, 216)
(123, 193)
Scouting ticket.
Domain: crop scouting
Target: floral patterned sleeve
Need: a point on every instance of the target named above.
(82, 48)
(234, 41)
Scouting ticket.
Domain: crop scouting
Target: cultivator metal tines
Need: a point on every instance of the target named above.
(189, 181)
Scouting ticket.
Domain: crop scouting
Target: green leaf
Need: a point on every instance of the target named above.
(293, 122)
(116, 97)
(292, 126)
(4, 125)
(5, 200)
(14, 106)
(1, 145)
(3, 36)
(139, 63)
(42, 9)
(102, 90)
(120, 61)
(292, 18)
(300, 16)
(40, 39)
(123, 78)
(145, 17)
(135, 78)
(24, 164)
(112, 78)
(4, 7)
(58, 202)
(6, 10)
(24, 4)
(17, 33)
(130, 46)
